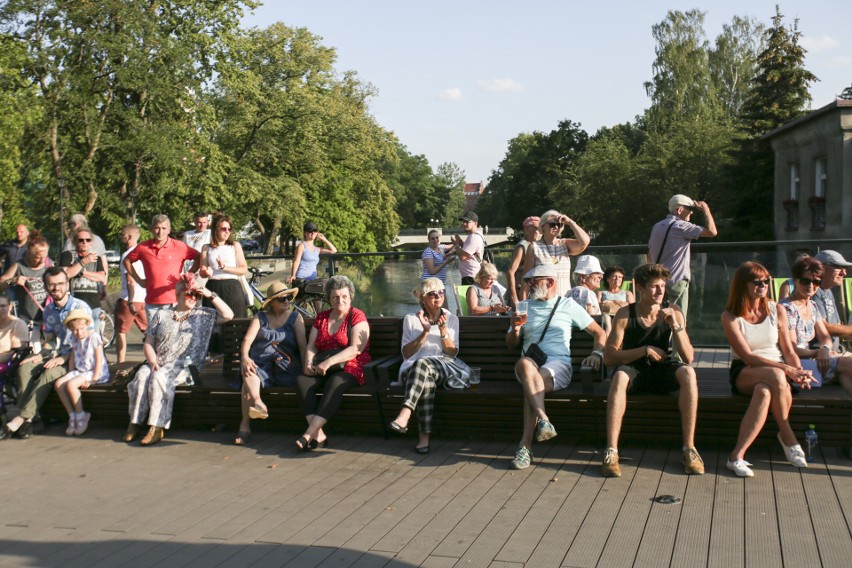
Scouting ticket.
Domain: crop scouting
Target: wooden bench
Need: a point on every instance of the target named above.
(494, 409)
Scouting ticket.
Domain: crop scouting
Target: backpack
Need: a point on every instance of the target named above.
(487, 255)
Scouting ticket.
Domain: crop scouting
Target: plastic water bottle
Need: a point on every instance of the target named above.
(186, 363)
(811, 440)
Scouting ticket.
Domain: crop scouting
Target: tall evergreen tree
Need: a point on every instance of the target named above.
(778, 94)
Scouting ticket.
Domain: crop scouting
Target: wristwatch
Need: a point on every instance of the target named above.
(213, 296)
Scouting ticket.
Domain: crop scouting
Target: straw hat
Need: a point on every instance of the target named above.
(77, 314)
(278, 289)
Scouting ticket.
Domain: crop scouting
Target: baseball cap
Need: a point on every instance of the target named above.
(541, 271)
(310, 226)
(532, 222)
(469, 216)
(832, 257)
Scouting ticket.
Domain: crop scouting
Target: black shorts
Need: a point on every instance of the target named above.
(653, 378)
(737, 366)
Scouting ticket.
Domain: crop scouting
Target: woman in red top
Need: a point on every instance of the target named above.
(342, 328)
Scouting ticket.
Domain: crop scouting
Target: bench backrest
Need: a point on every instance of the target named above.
(482, 344)
(385, 336)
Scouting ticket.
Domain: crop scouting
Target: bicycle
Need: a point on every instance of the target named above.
(107, 328)
(309, 301)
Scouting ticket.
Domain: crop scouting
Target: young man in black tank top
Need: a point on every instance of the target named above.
(638, 350)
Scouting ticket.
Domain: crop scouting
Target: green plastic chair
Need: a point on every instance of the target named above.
(847, 292)
(776, 288)
(461, 299)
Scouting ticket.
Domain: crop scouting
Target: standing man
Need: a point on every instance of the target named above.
(13, 251)
(201, 235)
(669, 244)
(638, 349)
(37, 374)
(470, 250)
(835, 271)
(78, 221)
(162, 260)
(130, 307)
(553, 339)
(515, 272)
(86, 270)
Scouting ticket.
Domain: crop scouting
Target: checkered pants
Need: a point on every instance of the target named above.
(421, 381)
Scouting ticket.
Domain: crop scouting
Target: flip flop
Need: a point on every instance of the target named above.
(304, 444)
(242, 438)
(256, 412)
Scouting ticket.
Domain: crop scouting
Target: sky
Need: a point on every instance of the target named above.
(457, 80)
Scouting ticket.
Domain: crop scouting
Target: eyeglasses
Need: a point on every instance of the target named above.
(84, 240)
(226, 229)
(808, 281)
(759, 283)
(553, 225)
(433, 295)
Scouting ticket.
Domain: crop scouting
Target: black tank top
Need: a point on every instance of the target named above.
(658, 335)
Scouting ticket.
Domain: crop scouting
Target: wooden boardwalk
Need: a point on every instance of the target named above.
(196, 500)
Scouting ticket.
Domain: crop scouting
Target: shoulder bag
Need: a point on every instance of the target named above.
(535, 352)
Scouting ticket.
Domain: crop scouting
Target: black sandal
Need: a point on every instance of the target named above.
(314, 444)
(304, 444)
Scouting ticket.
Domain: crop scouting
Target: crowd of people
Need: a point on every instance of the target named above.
(177, 291)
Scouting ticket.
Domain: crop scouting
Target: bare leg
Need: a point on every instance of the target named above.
(120, 347)
(535, 384)
(403, 417)
(73, 387)
(688, 403)
(615, 405)
(59, 385)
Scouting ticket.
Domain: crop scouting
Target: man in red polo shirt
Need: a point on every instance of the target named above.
(162, 259)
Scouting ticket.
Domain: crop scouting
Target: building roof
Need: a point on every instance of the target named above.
(837, 103)
(474, 186)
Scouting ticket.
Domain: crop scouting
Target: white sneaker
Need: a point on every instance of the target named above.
(741, 467)
(72, 425)
(795, 454)
(82, 424)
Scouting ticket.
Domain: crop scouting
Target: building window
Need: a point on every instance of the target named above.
(820, 179)
(794, 182)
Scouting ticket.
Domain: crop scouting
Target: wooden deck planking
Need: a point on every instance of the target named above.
(501, 527)
(662, 527)
(630, 523)
(830, 526)
(692, 542)
(798, 544)
(762, 541)
(484, 474)
(585, 547)
(727, 538)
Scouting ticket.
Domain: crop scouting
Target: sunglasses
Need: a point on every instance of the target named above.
(433, 295)
(808, 281)
(193, 294)
(84, 240)
(226, 229)
(553, 225)
(759, 283)
(284, 299)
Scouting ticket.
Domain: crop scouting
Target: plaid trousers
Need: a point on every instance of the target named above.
(421, 381)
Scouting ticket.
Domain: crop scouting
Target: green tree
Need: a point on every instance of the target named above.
(411, 179)
(733, 62)
(449, 188)
(778, 94)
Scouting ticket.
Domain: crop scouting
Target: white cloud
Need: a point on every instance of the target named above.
(816, 45)
(839, 62)
(501, 86)
(451, 94)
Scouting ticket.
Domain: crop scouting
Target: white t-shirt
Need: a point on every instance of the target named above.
(138, 291)
(433, 347)
(197, 240)
(585, 298)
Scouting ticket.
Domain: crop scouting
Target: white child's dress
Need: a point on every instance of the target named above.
(84, 358)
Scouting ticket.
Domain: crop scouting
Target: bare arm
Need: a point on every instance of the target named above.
(514, 265)
(328, 248)
(96, 275)
(150, 353)
(360, 337)
(594, 360)
(297, 260)
(613, 354)
(680, 339)
(131, 272)
(581, 238)
(709, 222)
(247, 363)
(9, 279)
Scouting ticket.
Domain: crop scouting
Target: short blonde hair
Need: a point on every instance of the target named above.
(427, 285)
(545, 217)
(486, 269)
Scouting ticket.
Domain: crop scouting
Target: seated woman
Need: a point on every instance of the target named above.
(429, 345)
(340, 336)
(612, 297)
(762, 363)
(271, 353)
(173, 335)
(805, 325)
(588, 276)
(484, 298)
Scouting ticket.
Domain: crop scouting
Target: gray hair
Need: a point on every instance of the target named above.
(545, 217)
(157, 219)
(338, 282)
(427, 285)
(78, 218)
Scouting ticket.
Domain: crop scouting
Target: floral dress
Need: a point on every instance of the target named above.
(83, 351)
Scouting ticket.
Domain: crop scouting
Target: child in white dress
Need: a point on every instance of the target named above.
(86, 366)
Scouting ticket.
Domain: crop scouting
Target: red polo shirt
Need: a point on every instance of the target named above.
(162, 267)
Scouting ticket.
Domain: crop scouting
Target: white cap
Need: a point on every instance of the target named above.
(588, 264)
(680, 200)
